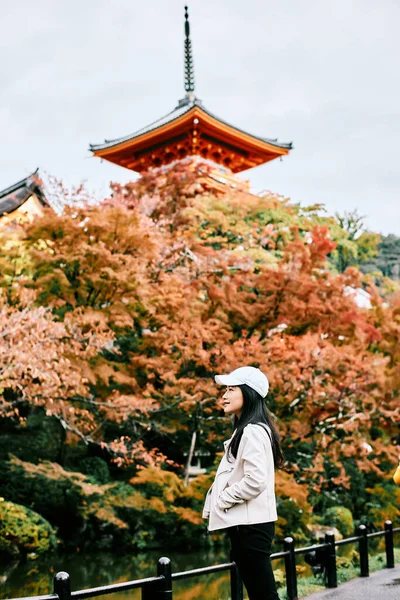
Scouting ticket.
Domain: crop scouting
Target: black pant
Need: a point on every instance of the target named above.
(251, 550)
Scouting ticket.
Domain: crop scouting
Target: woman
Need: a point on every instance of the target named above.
(242, 497)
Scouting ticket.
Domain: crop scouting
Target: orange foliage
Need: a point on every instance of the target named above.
(167, 283)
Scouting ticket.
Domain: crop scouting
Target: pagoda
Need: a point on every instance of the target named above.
(190, 130)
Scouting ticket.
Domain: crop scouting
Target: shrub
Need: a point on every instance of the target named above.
(341, 518)
(40, 437)
(383, 503)
(155, 509)
(60, 496)
(160, 510)
(155, 482)
(23, 531)
(95, 468)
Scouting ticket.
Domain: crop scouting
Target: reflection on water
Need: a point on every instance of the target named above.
(35, 577)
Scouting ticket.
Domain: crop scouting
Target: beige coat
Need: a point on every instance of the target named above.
(243, 492)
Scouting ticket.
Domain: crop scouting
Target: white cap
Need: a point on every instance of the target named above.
(250, 376)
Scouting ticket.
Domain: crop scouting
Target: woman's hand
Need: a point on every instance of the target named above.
(225, 504)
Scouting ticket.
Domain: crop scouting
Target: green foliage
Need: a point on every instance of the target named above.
(348, 566)
(153, 510)
(352, 497)
(387, 260)
(280, 578)
(96, 469)
(383, 503)
(39, 437)
(161, 506)
(292, 520)
(341, 518)
(355, 245)
(23, 531)
(59, 496)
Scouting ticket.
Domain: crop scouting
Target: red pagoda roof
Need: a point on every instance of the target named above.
(190, 130)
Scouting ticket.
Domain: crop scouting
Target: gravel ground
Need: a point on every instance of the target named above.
(380, 585)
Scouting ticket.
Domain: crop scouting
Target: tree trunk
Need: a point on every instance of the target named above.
(189, 460)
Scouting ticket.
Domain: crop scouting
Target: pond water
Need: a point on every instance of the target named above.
(33, 577)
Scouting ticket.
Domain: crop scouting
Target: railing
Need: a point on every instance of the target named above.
(322, 557)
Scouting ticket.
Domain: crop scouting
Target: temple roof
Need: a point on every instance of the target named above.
(190, 130)
(183, 107)
(14, 196)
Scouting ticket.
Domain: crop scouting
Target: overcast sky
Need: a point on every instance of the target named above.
(323, 74)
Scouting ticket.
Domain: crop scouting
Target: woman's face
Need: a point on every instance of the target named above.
(232, 401)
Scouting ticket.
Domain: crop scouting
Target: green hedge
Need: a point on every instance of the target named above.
(61, 497)
(23, 531)
(152, 510)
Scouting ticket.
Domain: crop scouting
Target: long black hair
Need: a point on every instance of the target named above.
(255, 411)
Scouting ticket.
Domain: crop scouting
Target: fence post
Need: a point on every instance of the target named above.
(150, 591)
(290, 568)
(363, 549)
(331, 560)
(164, 570)
(236, 583)
(162, 590)
(389, 545)
(62, 585)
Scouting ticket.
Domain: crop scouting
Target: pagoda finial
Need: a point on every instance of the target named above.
(189, 65)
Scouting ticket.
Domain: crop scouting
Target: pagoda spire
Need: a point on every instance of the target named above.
(189, 64)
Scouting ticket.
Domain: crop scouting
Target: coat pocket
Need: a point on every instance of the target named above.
(225, 471)
(221, 481)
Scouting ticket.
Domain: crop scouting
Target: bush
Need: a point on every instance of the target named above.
(155, 509)
(40, 437)
(383, 503)
(160, 510)
(341, 518)
(23, 531)
(60, 496)
(95, 468)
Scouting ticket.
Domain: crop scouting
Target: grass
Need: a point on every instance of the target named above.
(347, 568)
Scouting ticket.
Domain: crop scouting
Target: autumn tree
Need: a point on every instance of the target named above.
(169, 281)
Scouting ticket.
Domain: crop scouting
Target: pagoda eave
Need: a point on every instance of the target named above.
(195, 133)
(169, 154)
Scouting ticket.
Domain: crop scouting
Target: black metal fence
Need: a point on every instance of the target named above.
(322, 557)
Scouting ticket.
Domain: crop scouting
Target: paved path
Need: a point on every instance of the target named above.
(380, 585)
